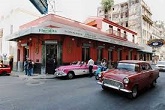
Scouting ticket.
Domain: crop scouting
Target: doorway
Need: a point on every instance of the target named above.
(85, 54)
(51, 58)
(25, 53)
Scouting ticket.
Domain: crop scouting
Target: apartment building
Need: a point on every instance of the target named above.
(158, 32)
(135, 15)
(9, 23)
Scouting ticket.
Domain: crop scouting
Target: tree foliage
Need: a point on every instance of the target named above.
(107, 4)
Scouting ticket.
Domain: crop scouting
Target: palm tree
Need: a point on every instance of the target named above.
(107, 4)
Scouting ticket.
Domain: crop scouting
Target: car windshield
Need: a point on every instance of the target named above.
(126, 66)
(75, 63)
(161, 63)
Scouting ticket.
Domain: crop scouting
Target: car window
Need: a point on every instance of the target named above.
(137, 67)
(148, 67)
(145, 67)
(161, 63)
(142, 67)
(126, 66)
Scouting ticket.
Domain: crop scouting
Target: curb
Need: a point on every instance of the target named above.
(34, 76)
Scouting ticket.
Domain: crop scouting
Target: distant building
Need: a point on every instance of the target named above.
(135, 15)
(158, 32)
(9, 24)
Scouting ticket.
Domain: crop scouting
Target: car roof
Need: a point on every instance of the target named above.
(132, 61)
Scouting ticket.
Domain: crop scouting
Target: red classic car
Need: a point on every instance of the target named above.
(76, 68)
(5, 69)
(129, 76)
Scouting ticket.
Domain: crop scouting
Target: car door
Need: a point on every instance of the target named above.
(143, 76)
(82, 69)
(151, 74)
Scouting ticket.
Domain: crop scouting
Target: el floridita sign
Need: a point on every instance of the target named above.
(156, 42)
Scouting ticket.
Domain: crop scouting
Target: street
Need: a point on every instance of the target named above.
(82, 93)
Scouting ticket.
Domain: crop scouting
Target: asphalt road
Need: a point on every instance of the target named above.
(81, 93)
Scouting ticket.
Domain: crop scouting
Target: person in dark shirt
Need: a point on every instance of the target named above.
(26, 67)
(30, 66)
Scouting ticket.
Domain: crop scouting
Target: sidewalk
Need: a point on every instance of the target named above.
(34, 76)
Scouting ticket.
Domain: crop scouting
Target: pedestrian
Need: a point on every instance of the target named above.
(103, 65)
(11, 63)
(26, 67)
(90, 64)
(32, 69)
(30, 66)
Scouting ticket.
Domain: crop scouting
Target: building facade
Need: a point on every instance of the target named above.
(158, 32)
(9, 24)
(55, 38)
(135, 15)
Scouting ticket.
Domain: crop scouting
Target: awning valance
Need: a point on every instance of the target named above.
(71, 32)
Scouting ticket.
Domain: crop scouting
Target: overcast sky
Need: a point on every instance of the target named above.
(80, 9)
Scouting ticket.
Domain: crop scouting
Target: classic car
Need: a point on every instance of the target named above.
(75, 68)
(129, 76)
(160, 65)
(5, 69)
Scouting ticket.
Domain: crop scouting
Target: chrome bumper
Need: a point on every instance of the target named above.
(114, 87)
(59, 74)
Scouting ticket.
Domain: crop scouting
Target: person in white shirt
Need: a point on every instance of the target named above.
(90, 64)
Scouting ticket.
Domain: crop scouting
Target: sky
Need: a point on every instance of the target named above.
(79, 9)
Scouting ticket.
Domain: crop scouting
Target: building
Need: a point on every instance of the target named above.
(158, 32)
(9, 24)
(135, 15)
(55, 38)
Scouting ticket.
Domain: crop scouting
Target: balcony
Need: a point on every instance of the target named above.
(116, 33)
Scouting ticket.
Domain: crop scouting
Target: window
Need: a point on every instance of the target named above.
(85, 53)
(133, 38)
(126, 24)
(118, 32)
(100, 54)
(119, 54)
(130, 55)
(18, 55)
(110, 29)
(110, 55)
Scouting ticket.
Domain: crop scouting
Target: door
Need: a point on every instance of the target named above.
(51, 58)
(85, 53)
(144, 76)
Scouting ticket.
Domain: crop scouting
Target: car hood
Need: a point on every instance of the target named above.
(118, 74)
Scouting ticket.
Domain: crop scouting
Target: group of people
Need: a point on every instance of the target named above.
(91, 63)
(28, 67)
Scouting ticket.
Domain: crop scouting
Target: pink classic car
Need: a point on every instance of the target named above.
(76, 68)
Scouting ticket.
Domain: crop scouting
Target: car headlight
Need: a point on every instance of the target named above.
(126, 80)
(99, 75)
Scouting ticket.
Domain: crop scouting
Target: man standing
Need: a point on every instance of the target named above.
(90, 64)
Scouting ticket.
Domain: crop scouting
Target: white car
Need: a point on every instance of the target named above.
(160, 65)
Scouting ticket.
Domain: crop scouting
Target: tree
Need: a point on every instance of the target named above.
(107, 4)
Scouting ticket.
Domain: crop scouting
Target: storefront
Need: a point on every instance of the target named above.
(50, 44)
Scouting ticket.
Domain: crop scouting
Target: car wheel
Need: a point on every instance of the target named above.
(4, 73)
(70, 75)
(153, 84)
(97, 77)
(104, 87)
(134, 92)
